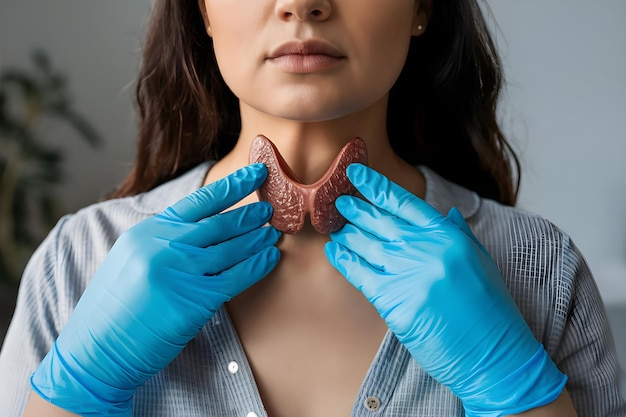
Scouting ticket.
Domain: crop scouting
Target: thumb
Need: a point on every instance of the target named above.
(455, 216)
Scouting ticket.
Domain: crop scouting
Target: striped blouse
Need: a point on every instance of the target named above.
(545, 273)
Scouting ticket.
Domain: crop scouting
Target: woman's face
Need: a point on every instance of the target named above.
(311, 60)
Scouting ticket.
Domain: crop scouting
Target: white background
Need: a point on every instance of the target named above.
(564, 108)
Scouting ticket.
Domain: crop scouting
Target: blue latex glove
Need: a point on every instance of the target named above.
(160, 284)
(443, 296)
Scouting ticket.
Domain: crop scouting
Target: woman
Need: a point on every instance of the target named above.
(200, 309)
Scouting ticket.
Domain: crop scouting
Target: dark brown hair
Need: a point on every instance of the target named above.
(442, 109)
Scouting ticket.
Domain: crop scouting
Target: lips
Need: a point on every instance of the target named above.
(303, 57)
(310, 47)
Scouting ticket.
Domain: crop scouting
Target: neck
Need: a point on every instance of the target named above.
(310, 147)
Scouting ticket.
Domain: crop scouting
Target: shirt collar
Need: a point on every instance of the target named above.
(443, 194)
(440, 193)
(166, 194)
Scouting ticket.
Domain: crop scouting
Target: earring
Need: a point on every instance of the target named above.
(420, 27)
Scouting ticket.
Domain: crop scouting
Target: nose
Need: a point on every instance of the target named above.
(318, 10)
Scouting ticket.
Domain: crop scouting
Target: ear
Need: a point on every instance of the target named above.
(423, 11)
(205, 17)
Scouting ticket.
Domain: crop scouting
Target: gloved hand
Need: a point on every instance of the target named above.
(161, 282)
(443, 296)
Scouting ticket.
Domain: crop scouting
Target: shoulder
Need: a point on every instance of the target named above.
(495, 224)
(98, 225)
(539, 262)
(530, 249)
(79, 242)
(520, 232)
(59, 271)
(554, 289)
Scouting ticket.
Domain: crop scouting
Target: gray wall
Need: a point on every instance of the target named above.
(565, 108)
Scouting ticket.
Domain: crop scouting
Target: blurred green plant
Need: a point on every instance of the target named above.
(31, 102)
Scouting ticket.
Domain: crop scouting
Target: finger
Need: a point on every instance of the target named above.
(211, 292)
(457, 219)
(372, 219)
(356, 271)
(382, 256)
(243, 275)
(217, 196)
(383, 193)
(215, 259)
(236, 250)
(227, 225)
(455, 216)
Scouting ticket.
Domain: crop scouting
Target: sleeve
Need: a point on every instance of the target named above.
(586, 352)
(37, 319)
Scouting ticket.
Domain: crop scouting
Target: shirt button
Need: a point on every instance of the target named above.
(251, 414)
(372, 403)
(233, 367)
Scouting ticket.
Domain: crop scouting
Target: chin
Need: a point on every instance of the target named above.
(306, 104)
(311, 112)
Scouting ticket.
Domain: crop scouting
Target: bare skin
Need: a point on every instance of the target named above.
(309, 338)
